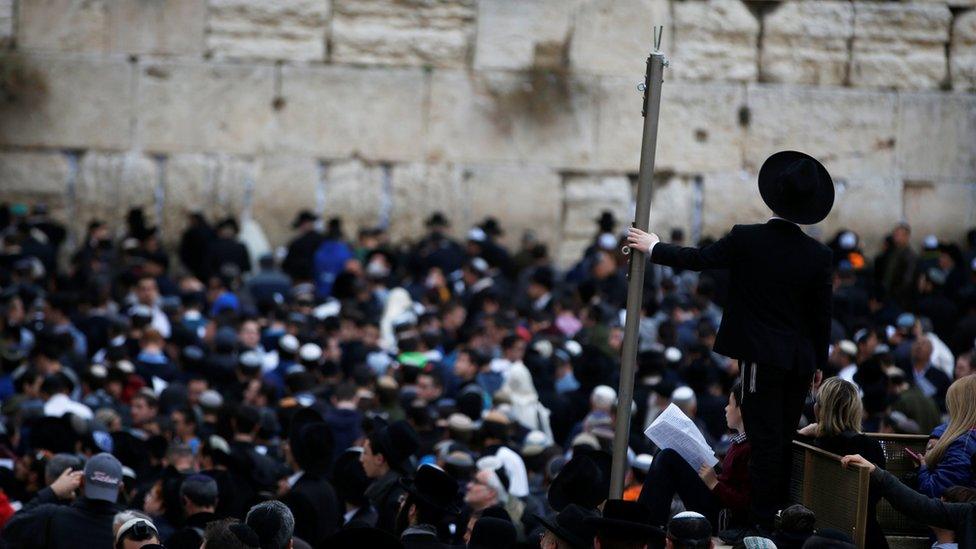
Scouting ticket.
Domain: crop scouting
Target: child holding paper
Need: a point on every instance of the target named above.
(705, 491)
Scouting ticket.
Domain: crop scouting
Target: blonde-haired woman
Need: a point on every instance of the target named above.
(838, 430)
(950, 461)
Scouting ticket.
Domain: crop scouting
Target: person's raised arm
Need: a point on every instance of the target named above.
(714, 256)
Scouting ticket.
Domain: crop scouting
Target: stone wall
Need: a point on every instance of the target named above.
(382, 111)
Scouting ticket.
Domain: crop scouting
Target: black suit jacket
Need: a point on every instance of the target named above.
(779, 304)
(315, 506)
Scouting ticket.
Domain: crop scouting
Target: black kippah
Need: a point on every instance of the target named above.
(245, 534)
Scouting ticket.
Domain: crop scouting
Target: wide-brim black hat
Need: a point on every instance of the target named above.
(570, 525)
(432, 486)
(584, 481)
(796, 187)
(437, 219)
(626, 519)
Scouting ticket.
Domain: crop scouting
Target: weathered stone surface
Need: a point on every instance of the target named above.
(161, 27)
(212, 183)
(807, 42)
(83, 103)
(698, 129)
(387, 106)
(108, 185)
(522, 34)
(188, 107)
(6, 21)
(521, 197)
(729, 198)
(672, 205)
(962, 56)
(937, 136)
(928, 207)
(418, 190)
(899, 45)
(35, 175)
(397, 32)
(354, 193)
(714, 40)
(283, 186)
(492, 116)
(63, 25)
(268, 29)
(615, 36)
(851, 132)
(867, 204)
(585, 197)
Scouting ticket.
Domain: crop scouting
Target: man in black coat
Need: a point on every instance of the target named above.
(777, 320)
(87, 520)
(198, 494)
(226, 251)
(301, 250)
(312, 499)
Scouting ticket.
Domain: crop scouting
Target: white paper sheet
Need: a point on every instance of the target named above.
(673, 429)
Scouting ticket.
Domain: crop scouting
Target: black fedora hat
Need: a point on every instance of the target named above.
(570, 525)
(797, 187)
(625, 519)
(302, 217)
(584, 481)
(607, 221)
(432, 486)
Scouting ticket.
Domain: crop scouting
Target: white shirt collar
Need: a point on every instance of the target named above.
(349, 514)
(294, 478)
(781, 219)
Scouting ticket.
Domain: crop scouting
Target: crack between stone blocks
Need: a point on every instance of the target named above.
(849, 66)
(159, 194)
(73, 158)
(135, 140)
(321, 189)
(386, 194)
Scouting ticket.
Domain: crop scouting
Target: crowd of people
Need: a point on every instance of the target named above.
(359, 390)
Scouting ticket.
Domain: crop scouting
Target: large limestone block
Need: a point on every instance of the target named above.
(585, 197)
(396, 32)
(109, 184)
(85, 102)
(522, 34)
(214, 184)
(867, 204)
(63, 25)
(946, 209)
(729, 198)
(615, 36)
(188, 107)
(420, 189)
(283, 186)
(354, 192)
(158, 27)
(714, 40)
(343, 111)
(962, 56)
(900, 45)
(291, 30)
(807, 42)
(6, 21)
(698, 130)
(937, 136)
(850, 131)
(672, 205)
(521, 197)
(494, 116)
(36, 177)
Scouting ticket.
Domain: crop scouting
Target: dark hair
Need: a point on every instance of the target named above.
(246, 419)
(201, 490)
(736, 392)
(230, 534)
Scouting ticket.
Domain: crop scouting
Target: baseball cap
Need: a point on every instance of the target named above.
(103, 474)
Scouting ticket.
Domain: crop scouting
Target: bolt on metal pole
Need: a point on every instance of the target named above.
(653, 79)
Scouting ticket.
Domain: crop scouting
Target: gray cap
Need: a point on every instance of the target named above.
(211, 400)
(103, 475)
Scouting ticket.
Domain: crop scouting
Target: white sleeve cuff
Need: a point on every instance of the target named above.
(651, 249)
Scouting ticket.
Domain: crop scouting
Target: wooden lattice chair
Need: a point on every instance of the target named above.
(838, 496)
(901, 530)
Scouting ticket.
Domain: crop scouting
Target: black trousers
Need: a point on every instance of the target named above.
(670, 474)
(772, 403)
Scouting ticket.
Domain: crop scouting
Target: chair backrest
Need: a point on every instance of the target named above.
(838, 496)
(898, 463)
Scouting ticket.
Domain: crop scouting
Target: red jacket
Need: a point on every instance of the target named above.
(732, 489)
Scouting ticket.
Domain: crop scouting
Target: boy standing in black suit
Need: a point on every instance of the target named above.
(777, 320)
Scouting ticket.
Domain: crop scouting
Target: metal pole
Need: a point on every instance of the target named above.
(653, 79)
